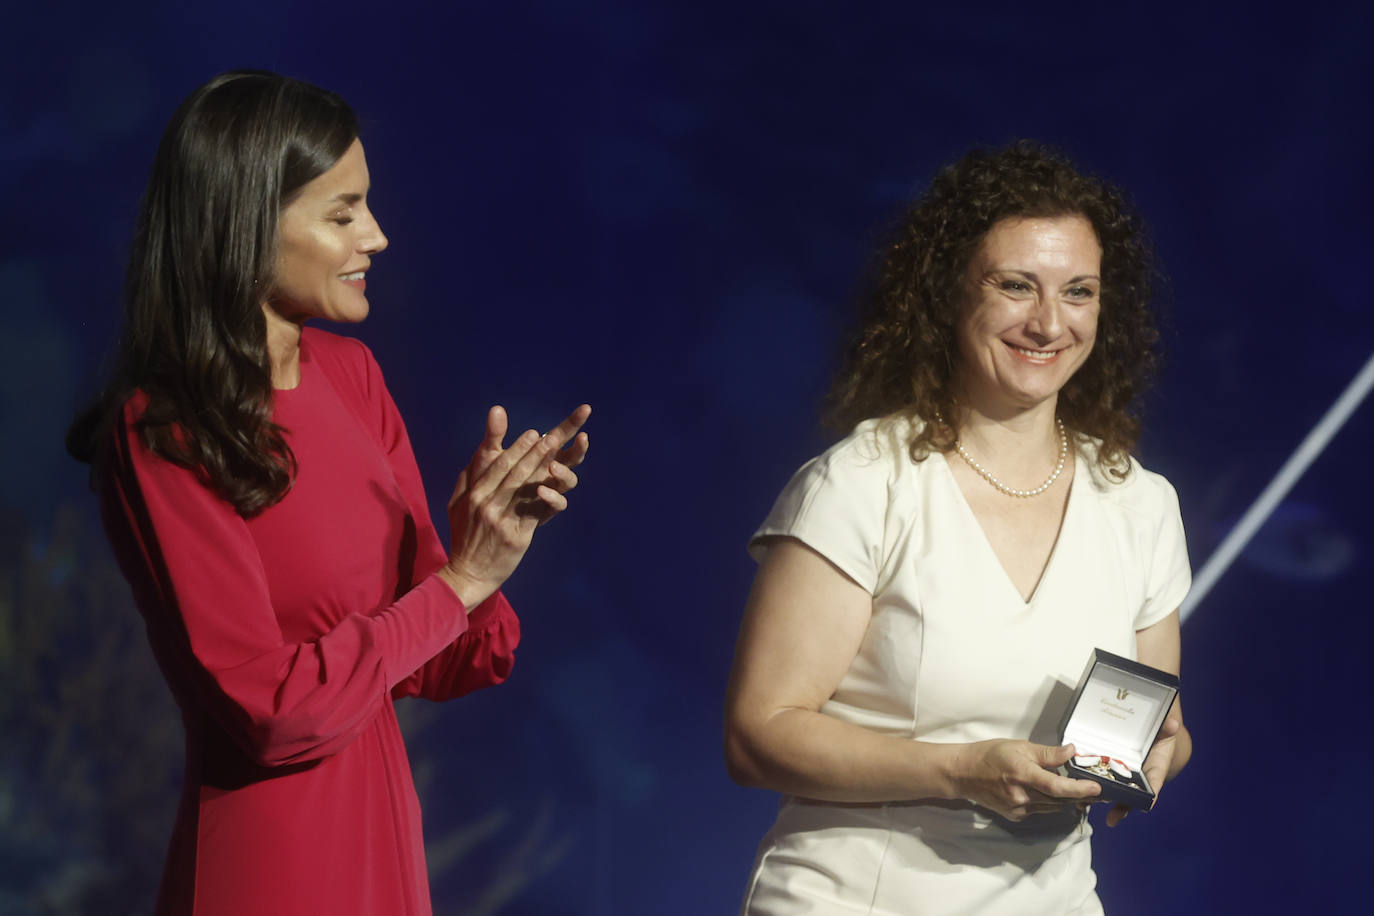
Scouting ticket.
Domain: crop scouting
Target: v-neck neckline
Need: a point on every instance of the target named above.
(991, 553)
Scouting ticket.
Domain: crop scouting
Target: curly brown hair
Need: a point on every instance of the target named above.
(902, 360)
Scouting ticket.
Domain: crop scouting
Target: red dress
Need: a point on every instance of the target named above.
(285, 639)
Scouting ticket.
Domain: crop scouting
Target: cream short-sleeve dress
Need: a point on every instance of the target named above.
(953, 653)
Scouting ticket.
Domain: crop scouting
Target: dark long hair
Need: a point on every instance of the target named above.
(902, 360)
(194, 339)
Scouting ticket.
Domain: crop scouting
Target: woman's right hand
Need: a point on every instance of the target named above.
(1016, 778)
(501, 497)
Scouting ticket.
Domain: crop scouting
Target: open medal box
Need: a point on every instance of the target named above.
(1112, 722)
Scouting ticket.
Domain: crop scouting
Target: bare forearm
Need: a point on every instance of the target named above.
(810, 754)
(803, 625)
(1183, 751)
(468, 591)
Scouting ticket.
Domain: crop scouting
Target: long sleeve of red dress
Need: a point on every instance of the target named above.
(285, 638)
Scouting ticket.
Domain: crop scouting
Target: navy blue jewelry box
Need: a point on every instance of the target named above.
(1115, 716)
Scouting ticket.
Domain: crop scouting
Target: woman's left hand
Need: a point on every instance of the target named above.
(1156, 768)
(1158, 646)
(559, 475)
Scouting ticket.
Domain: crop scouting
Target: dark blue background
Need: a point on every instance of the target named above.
(662, 209)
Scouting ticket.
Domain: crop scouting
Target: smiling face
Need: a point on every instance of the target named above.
(327, 236)
(1029, 319)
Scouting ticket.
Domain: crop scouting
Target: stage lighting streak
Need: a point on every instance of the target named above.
(1283, 481)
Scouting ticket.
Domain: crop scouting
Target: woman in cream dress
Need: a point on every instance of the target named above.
(930, 588)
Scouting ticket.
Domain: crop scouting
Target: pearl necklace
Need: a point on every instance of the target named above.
(1012, 491)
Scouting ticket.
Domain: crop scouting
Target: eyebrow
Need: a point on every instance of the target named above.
(1029, 275)
(348, 197)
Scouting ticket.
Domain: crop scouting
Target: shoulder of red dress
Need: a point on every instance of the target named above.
(346, 353)
(318, 340)
(134, 405)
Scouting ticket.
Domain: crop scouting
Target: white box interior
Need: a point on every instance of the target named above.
(1118, 715)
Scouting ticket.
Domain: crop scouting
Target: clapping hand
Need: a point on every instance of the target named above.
(559, 477)
(503, 495)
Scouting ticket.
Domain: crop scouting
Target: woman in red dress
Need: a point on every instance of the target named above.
(259, 490)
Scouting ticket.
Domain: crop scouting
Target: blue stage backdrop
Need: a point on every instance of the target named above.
(662, 209)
